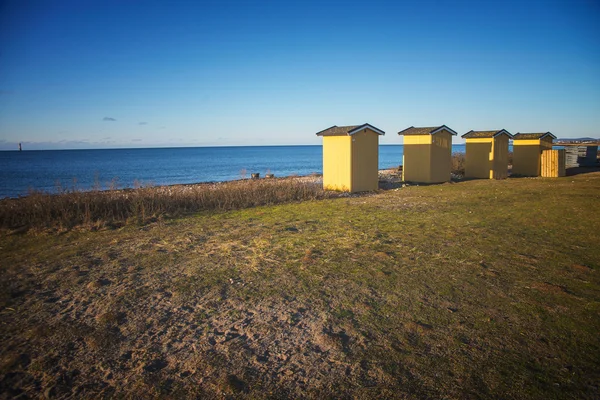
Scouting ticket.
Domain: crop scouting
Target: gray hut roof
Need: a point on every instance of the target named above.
(485, 134)
(532, 136)
(430, 130)
(348, 130)
(577, 141)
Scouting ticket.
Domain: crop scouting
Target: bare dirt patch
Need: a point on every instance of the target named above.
(581, 268)
(551, 288)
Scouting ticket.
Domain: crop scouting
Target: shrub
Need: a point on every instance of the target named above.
(458, 163)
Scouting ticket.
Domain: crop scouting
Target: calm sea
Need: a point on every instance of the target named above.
(48, 169)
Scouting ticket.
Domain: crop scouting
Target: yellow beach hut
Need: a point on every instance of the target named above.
(427, 154)
(351, 157)
(487, 154)
(527, 152)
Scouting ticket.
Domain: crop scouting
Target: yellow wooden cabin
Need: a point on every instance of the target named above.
(427, 154)
(487, 154)
(351, 157)
(527, 152)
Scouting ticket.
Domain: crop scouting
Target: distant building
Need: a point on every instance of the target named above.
(527, 152)
(581, 156)
(427, 154)
(351, 157)
(487, 154)
(580, 152)
(577, 141)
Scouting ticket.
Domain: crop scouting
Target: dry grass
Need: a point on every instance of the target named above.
(117, 207)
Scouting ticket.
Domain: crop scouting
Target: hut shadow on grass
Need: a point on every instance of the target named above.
(571, 171)
(581, 170)
(517, 176)
(390, 179)
(391, 183)
(461, 178)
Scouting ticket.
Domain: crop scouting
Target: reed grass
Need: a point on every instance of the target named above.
(96, 208)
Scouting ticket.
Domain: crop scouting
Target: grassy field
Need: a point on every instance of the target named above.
(478, 289)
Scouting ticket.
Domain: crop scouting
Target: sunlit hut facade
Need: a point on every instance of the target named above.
(427, 154)
(487, 154)
(527, 152)
(351, 157)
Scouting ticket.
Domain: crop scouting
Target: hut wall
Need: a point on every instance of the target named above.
(572, 156)
(591, 156)
(500, 155)
(365, 161)
(478, 155)
(337, 163)
(526, 158)
(441, 157)
(416, 160)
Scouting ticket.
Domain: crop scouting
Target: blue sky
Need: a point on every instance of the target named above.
(88, 74)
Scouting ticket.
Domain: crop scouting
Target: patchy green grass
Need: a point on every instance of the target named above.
(479, 289)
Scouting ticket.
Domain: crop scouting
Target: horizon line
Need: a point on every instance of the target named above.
(185, 147)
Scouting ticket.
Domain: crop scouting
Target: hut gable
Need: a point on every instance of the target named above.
(532, 136)
(486, 134)
(430, 130)
(348, 130)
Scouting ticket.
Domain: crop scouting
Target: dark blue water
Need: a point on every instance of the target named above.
(83, 169)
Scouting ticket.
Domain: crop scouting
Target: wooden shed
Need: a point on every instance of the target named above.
(553, 163)
(351, 157)
(579, 152)
(487, 154)
(527, 152)
(581, 156)
(427, 154)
